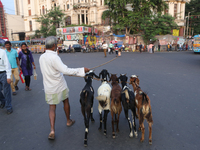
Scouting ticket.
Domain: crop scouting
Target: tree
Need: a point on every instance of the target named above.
(145, 17)
(194, 8)
(50, 21)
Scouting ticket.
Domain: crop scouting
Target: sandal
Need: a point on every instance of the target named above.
(26, 88)
(51, 136)
(29, 89)
(72, 122)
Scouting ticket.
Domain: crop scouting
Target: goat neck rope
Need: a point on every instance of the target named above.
(104, 63)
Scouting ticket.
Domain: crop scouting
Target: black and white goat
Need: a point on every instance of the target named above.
(103, 97)
(128, 102)
(86, 100)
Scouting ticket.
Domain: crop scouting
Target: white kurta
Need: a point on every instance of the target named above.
(52, 69)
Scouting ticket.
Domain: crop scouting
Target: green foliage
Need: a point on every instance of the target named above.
(194, 7)
(50, 21)
(140, 17)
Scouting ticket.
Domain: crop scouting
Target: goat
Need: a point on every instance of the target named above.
(103, 97)
(116, 106)
(128, 102)
(143, 105)
(86, 100)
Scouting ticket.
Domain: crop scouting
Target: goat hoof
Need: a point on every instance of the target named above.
(136, 134)
(92, 120)
(85, 143)
(131, 135)
(105, 132)
(141, 140)
(113, 137)
(150, 142)
(99, 129)
(117, 130)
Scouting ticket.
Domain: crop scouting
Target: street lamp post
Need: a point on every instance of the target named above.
(188, 23)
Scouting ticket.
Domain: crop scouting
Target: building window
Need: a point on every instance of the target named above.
(78, 18)
(64, 7)
(101, 2)
(68, 21)
(29, 12)
(175, 11)
(40, 11)
(78, 1)
(30, 25)
(67, 6)
(166, 11)
(29, 1)
(43, 10)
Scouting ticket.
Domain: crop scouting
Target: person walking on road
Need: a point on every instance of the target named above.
(26, 64)
(55, 86)
(111, 48)
(150, 48)
(5, 75)
(14, 62)
(105, 47)
(140, 47)
(116, 50)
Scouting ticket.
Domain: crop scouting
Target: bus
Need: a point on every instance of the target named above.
(38, 45)
(17, 44)
(196, 44)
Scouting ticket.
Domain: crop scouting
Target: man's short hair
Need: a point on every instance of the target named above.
(50, 41)
(8, 42)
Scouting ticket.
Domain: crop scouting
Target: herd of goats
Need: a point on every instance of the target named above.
(110, 99)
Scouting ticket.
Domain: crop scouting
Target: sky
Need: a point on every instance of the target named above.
(9, 6)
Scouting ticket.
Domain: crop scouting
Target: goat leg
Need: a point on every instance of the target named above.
(100, 127)
(92, 119)
(118, 122)
(105, 121)
(129, 122)
(150, 133)
(133, 120)
(113, 130)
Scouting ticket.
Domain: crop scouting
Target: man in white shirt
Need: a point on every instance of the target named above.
(5, 80)
(55, 86)
(105, 47)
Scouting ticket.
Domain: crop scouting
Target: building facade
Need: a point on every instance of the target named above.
(77, 12)
(3, 33)
(83, 12)
(15, 27)
(176, 8)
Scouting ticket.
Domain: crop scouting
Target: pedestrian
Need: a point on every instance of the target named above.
(14, 62)
(140, 47)
(159, 47)
(186, 46)
(168, 47)
(123, 47)
(150, 48)
(5, 80)
(26, 64)
(153, 48)
(55, 86)
(105, 47)
(116, 50)
(111, 48)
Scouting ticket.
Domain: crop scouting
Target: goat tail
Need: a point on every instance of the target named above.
(144, 97)
(101, 98)
(126, 94)
(114, 109)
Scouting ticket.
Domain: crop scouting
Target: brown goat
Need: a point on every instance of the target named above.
(143, 105)
(116, 106)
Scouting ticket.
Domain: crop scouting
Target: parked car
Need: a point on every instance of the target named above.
(77, 47)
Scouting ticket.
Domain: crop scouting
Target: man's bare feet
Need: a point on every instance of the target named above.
(51, 135)
(70, 123)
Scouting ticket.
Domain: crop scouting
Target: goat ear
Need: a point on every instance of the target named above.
(125, 74)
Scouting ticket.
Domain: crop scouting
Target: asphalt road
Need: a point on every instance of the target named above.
(170, 78)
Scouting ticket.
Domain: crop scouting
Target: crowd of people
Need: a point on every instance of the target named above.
(10, 64)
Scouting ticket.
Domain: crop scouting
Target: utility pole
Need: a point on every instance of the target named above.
(188, 23)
